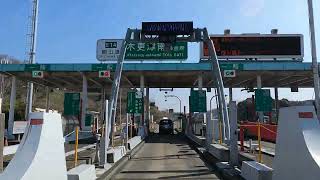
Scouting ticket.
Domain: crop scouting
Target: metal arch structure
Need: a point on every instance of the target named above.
(112, 106)
(136, 35)
(198, 35)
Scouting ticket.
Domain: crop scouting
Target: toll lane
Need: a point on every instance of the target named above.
(166, 157)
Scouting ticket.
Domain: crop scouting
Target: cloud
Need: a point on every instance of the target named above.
(251, 7)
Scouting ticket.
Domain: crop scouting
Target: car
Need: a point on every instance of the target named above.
(166, 126)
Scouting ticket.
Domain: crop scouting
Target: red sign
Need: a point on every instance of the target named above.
(36, 121)
(305, 114)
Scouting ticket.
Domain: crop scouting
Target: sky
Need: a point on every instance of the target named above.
(68, 30)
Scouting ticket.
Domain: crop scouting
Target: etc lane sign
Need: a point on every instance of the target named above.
(109, 50)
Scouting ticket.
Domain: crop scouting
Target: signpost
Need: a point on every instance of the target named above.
(108, 49)
(263, 100)
(198, 101)
(256, 46)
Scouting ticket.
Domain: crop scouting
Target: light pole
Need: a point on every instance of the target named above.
(315, 68)
(166, 96)
(211, 111)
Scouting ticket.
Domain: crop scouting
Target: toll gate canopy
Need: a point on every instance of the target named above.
(163, 75)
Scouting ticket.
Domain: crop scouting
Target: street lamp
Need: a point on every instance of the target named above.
(166, 96)
(211, 111)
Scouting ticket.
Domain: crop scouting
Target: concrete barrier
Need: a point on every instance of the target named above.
(82, 172)
(219, 151)
(114, 154)
(201, 141)
(133, 142)
(40, 154)
(112, 169)
(252, 170)
(298, 147)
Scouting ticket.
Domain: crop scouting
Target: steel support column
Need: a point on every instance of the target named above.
(230, 95)
(32, 54)
(47, 99)
(219, 82)
(315, 67)
(12, 106)
(276, 103)
(84, 101)
(147, 109)
(234, 160)
(200, 82)
(259, 86)
(141, 130)
(112, 106)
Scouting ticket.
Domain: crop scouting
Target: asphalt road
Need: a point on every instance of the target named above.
(166, 157)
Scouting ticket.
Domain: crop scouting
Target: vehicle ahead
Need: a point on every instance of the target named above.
(166, 126)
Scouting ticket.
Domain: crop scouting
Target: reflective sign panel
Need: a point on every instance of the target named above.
(255, 46)
(108, 49)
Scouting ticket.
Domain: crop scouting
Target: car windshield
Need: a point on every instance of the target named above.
(167, 121)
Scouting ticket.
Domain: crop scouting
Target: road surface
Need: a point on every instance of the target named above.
(166, 157)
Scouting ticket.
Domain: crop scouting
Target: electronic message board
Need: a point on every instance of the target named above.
(255, 46)
(167, 28)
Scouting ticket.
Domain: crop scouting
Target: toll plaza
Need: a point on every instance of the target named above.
(107, 78)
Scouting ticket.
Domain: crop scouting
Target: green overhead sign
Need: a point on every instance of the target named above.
(135, 102)
(233, 66)
(71, 104)
(36, 67)
(103, 67)
(198, 101)
(156, 51)
(263, 100)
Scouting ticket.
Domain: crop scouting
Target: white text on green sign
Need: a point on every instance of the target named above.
(156, 51)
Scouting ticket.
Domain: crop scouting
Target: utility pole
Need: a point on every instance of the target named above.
(32, 52)
(315, 68)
